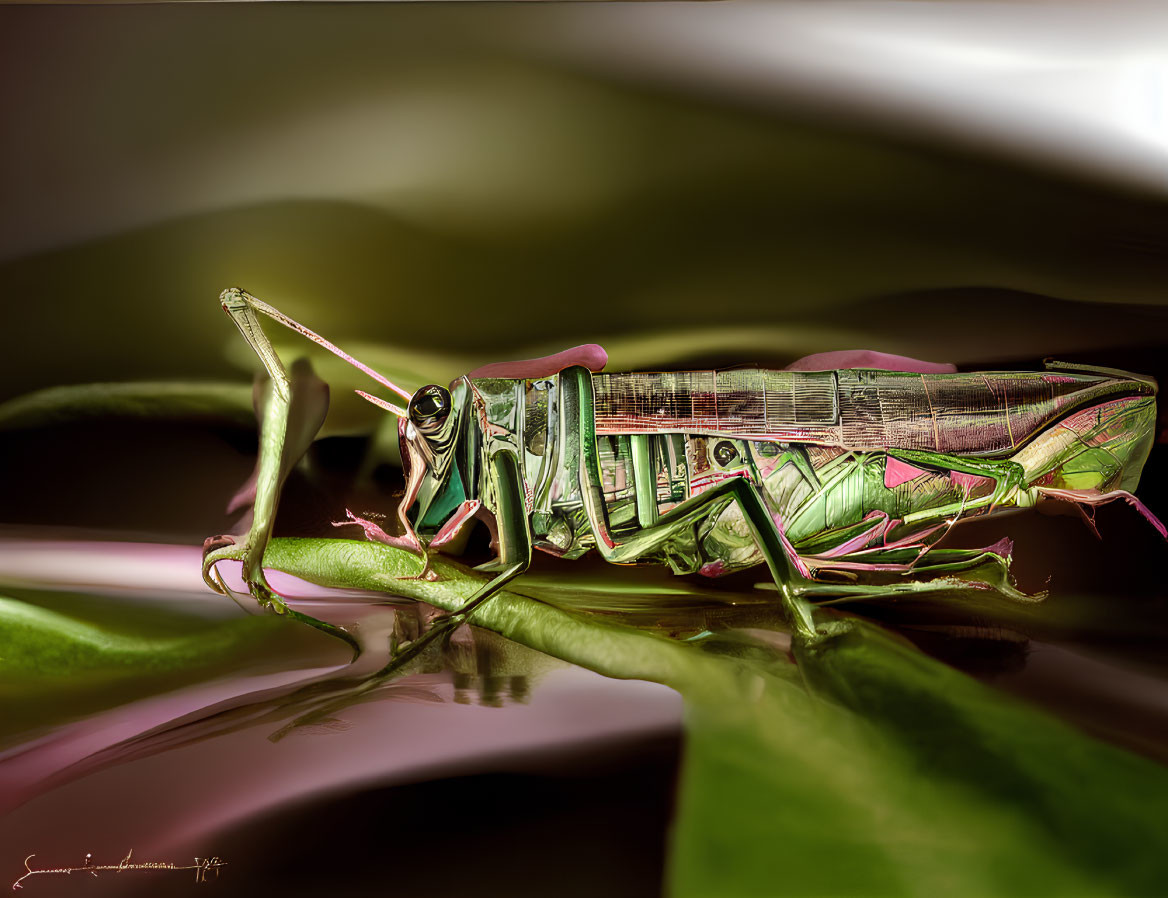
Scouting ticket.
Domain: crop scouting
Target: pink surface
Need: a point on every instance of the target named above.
(589, 355)
(128, 568)
(77, 748)
(897, 472)
(868, 358)
(174, 803)
(165, 774)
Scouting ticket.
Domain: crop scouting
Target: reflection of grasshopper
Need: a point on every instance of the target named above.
(824, 475)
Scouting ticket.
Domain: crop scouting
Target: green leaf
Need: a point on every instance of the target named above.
(883, 773)
(64, 662)
(37, 642)
(896, 775)
(591, 641)
(213, 402)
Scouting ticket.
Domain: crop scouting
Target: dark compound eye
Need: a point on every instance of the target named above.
(724, 453)
(429, 407)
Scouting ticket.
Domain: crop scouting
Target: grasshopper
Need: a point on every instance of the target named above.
(843, 478)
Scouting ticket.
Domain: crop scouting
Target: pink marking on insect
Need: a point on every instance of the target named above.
(1081, 421)
(897, 472)
(863, 539)
(414, 465)
(868, 358)
(968, 483)
(375, 533)
(1092, 498)
(839, 565)
(912, 539)
(1093, 419)
(699, 485)
(588, 355)
(382, 404)
(464, 513)
(796, 560)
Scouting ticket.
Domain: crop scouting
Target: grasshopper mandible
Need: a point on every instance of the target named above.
(826, 476)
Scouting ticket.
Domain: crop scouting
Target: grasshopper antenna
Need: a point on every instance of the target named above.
(382, 404)
(234, 295)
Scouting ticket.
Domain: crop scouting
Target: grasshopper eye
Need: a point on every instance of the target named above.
(429, 407)
(725, 453)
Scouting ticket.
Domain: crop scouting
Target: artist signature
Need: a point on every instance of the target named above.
(202, 866)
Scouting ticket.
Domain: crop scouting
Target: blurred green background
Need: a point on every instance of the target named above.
(686, 184)
(440, 186)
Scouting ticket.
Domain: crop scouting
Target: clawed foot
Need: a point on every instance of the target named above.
(216, 549)
(266, 598)
(410, 542)
(225, 548)
(800, 614)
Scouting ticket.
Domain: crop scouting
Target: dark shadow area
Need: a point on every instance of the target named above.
(584, 823)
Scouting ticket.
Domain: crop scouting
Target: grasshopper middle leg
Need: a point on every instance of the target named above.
(578, 414)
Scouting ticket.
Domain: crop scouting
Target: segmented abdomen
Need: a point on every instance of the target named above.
(969, 414)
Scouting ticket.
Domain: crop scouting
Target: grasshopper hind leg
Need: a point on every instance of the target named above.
(779, 556)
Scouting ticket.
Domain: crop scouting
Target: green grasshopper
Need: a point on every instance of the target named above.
(842, 476)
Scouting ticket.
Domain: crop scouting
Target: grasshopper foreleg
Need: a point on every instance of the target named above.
(277, 454)
(514, 555)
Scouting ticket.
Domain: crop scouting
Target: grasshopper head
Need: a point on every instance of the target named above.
(429, 410)
(428, 436)
(428, 431)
